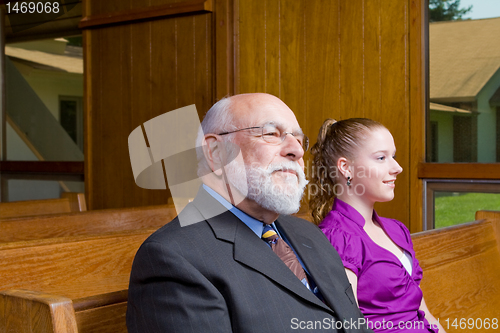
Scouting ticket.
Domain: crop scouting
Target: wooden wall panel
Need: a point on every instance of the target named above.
(372, 62)
(225, 34)
(109, 119)
(251, 52)
(292, 56)
(272, 47)
(338, 59)
(394, 111)
(324, 58)
(135, 72)
(351, 59)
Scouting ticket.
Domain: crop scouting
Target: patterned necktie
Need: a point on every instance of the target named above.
(284, 252)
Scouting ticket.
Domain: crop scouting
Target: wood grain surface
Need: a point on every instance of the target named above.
(341, 59)
(461, 266)
(85, 223)
(135, 72)
(24, 311)
(73, 267)
(69, 202)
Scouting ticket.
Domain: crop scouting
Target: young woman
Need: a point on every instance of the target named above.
(354, 167)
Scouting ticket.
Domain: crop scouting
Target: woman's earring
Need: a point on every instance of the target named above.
(348, 181)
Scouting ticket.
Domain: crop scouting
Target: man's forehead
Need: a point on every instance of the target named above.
(259, 109)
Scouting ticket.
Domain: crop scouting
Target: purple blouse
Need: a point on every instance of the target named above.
(388, 296)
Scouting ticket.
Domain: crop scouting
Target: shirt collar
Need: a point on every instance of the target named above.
(351, 213)
(255, 225)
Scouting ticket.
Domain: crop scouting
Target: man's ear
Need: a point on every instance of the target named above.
(344, 167)
(213, 153)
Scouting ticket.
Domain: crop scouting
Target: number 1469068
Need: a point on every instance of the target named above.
(471, 323)
(32, 7)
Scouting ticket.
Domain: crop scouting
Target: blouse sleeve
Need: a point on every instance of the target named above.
(348, 246)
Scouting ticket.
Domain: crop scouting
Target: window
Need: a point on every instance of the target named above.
(463, 118)
(456, 201)
(43, 119)
(71, 118)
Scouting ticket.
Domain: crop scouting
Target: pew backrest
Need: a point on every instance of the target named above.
(38, 312)
(67, 285)
(69, 273)
(461, 270)
(69, 202)
(85, 223)
(73, 267)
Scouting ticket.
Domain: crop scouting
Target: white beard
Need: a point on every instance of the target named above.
(256, 183)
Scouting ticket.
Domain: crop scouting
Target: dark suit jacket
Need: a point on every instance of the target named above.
(217, 276)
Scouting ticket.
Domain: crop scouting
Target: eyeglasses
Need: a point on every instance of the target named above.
(274, 136)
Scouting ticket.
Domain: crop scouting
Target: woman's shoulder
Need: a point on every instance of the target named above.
(396, 227)
(339, 229)
(345, 236)
(336, 221)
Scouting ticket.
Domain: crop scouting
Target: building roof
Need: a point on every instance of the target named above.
(464, 55)
(47, 61)
(446, 108)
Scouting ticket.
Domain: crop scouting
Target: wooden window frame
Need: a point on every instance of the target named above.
(431, 186)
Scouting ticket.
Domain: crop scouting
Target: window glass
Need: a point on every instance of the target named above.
(27, 189)
(453, 208)
(464, 81)
(44, 85)
(71, 119)
(452, 202)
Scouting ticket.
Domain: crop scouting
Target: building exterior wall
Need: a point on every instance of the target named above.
(486, 123)
(445, 135)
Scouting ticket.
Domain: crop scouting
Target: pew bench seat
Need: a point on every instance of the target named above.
(461, 267)
(72, 284)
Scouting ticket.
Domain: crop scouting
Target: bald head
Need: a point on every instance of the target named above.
(254, 109)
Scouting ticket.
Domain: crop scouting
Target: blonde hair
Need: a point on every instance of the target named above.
(336, 139)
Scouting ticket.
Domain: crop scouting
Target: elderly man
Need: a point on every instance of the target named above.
(243, 267)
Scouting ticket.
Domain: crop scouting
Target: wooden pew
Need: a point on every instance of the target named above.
(85, 223)
(79, 284)
(69, 202)
(462, 272)
(490, 215)
(66, 285)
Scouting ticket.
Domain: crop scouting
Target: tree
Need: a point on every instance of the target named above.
(446, 10)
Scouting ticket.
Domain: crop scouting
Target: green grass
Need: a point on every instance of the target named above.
(455, 209)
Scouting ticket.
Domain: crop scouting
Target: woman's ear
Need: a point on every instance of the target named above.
(212, 151)
(344, 167)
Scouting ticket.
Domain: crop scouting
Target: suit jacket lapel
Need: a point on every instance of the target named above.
(261, 258)
(325, 274)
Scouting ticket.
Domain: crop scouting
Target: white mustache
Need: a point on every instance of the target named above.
(287, 166)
